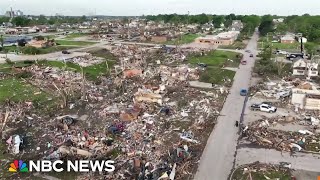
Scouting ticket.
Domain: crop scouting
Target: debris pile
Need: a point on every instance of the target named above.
(257, 170)
(281, 140)
(85, 61)
(146, 118)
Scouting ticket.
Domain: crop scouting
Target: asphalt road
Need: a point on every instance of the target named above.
(54, 55)
(77, 51)
(219, 154)
(300, 161)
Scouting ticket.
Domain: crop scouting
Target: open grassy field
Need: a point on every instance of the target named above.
(73, 43)
(91, 72)
(40, 50)
(104, 53)
(18, 90)
(185, 39)
(235, 45)
(217, 58)
(281, 46)
(216, 75)
(74, 35)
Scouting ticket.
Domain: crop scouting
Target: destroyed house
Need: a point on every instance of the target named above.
(308, 99)
(159, 39)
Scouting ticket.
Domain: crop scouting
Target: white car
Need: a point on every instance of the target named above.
(264, 108)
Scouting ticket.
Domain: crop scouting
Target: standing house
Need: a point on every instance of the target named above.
(236, 25)
(307, 68)
(288, 39)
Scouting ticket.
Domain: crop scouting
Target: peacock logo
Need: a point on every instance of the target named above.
(18, 166)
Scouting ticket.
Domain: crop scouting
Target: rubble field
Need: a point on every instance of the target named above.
(141, 113)
(290, 128)
(258, 170)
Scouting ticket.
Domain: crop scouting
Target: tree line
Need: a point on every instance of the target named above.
(250, 21)
(42, 20)
(308, 25)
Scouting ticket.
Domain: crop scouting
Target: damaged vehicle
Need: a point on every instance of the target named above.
(263, 107)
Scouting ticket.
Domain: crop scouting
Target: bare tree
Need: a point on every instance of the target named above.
(280, 63)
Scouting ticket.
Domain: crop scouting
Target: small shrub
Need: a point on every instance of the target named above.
(8, 61)
(24, 75)
(30, 50)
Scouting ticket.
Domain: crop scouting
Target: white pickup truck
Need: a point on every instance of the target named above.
(263, 107)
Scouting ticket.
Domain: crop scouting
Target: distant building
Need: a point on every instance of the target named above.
(18, 13)
(9, 14)
(224, 38)
(288, 39)
(279, 20)
(236, 25)
(304, 40)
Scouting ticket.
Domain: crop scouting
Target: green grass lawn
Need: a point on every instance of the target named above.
(282, 46)
(74, 35)
(235, 45)
(55, 49)
(18, 91)
(215, 61)
(91, 72)
(286, 46)
(217, 58)
(74, 43)
(216, 75)
(104, 53)
(41, 50)
(185, 39)
(11, 48)
(50, 37)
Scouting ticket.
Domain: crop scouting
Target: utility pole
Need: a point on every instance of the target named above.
(301, 44)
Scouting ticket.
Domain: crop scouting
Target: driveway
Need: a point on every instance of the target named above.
(218, 156)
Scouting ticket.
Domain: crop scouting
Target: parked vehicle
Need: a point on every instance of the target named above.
(65, 52)
(284, 94)
(243, 62)
(263, 107)
(267, 102)
(248, 51)
(243, 92)
(202, 65)
(251, 55)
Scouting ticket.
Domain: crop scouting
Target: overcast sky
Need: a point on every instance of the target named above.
(146, 7)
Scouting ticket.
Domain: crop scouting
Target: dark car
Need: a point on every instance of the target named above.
(202, 65)
(267, 102)
(65, 52)
(251, 55)
(243, 92)
(255, 107)
(243, 62)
